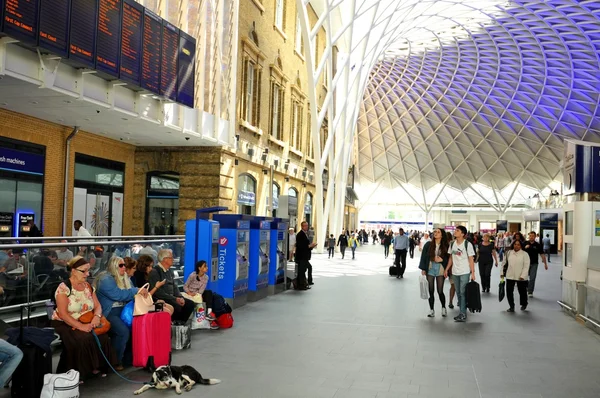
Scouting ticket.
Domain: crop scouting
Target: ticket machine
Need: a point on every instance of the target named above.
(202, 243)
(6, 224)
(258, 272)
(279, 232)
(234, 246)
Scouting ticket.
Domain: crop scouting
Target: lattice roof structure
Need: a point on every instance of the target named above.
(473, 95)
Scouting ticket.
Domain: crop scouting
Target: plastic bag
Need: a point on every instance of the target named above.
(501, 290)
(127, 313)
(424, 287)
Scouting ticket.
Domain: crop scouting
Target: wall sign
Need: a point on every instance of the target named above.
(21, 162)
(246, 198)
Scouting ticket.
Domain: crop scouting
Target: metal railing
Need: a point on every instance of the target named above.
(31, 272)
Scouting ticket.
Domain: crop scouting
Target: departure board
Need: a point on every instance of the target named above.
(54, 26)
(2, 7)
(168, 67)
(82, 47)
(21, 20)
(108, 41)
(151, 41)
(186, 69)
(131, 42)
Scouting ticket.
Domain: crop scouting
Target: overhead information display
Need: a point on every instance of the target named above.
(54, 26)
(151, 41)
(82, 48)
(186, 70)
(108, 41)
(21, 20)
(168, 67)
(131, 42)
(120, 39)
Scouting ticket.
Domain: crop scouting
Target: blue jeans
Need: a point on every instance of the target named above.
(460, 284)
(119, 332)
(10, 356)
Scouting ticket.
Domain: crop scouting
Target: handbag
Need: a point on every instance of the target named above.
(143, 304)
(127, 313)
(501, 290)
(424, 285)
(102, 328)
(62, 385)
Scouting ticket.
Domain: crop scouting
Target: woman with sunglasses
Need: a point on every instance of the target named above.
(74, 298)
(114, 290)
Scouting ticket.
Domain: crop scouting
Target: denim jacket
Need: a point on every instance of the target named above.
(108, 293)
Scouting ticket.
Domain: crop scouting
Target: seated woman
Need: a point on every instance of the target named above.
(130, 268)
(196, 286)
(81, 351)
(114, 290)
(140, 276)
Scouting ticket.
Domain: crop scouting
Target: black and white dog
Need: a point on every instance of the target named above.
(176, 376)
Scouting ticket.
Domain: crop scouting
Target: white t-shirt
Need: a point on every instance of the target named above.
(460, 261)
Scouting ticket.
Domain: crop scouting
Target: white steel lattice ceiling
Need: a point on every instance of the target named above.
(472, 93)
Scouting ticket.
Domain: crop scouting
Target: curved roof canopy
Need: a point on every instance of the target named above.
(478, 93)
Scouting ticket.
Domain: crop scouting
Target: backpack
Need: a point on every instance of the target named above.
(67, 283)
(220, 306)
(225, 321)
(473, 297)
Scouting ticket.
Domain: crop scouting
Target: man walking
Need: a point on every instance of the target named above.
(303, 253)
(461, 265)
(546, 243)
(534, 249)
(400, 249)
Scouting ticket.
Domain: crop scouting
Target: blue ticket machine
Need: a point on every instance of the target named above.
(279, 231)
(258, 272)
(234, 246)
(202, 243)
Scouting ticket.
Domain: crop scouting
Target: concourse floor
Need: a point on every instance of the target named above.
(360, 333)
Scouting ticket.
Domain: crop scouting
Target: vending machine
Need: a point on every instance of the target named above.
(258, 272)
(6, 224)
(233, 252)
(202, 243)
(279, 236)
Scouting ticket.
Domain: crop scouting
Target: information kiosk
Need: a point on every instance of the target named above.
(234, 241)
(258, 272)
(278, 250)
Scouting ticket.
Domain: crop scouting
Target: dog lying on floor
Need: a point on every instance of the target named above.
(176, 376)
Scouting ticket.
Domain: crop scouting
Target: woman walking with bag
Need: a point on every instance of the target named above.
(434, 260)
(486, 255)
(516, 271)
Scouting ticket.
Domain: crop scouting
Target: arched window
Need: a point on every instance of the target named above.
(293, 192)
(308, 208)
(246, 195)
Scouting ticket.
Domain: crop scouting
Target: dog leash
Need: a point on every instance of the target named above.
(108, 362)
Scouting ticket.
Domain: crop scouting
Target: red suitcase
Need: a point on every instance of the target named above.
(152, 340)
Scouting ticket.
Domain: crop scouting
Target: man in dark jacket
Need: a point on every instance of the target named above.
(303, 253)
(169, 291)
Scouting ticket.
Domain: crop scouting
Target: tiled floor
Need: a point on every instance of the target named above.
(359, 333)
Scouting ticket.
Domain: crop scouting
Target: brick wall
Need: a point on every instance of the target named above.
(53, 137)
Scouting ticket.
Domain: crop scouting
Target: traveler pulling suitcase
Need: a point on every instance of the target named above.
(151, 340)
(28, 378)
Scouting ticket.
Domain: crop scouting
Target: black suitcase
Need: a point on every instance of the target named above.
(473, 297)
(28, 378)
(393, 270)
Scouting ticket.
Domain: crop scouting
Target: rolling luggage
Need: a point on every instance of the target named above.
(473, 297)
(152, 340)
(28, 378)
(393, 271)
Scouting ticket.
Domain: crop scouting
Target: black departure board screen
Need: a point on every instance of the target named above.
(168, 67)
(2, 7)
(82, 46)
(108, 41)
(54, 26)
(186, 69)
(131, 42)
(21, 20)
(151, 41)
